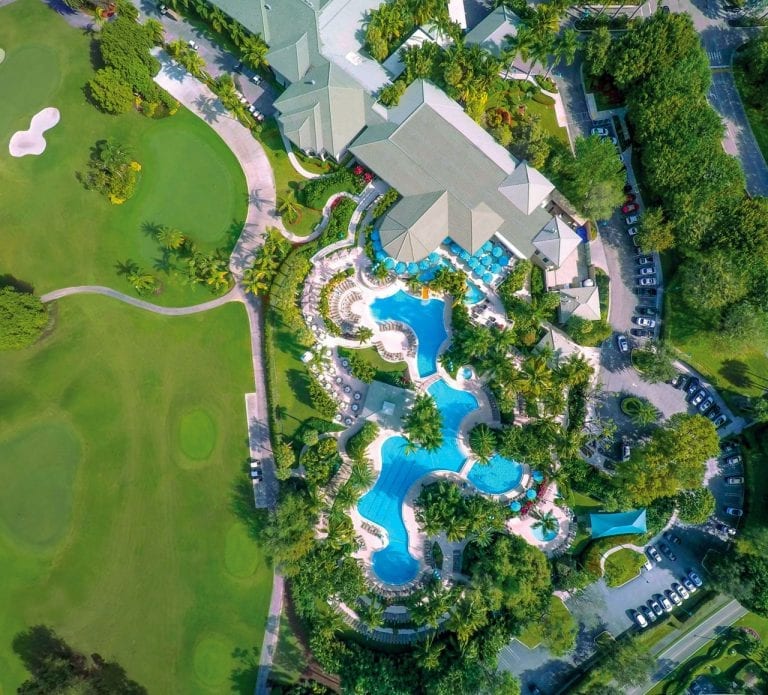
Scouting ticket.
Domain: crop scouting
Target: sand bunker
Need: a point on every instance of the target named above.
(2, 55)
(24, 142)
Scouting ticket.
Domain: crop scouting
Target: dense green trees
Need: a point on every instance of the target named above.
(695, 506)
(22, 318)
(266, 262)
(743, 576)
(482, 441)
(358, 443)
(627, 662)
(654, 363)
(670, 461)
(111, 171)
(110, 92)
(423, 425)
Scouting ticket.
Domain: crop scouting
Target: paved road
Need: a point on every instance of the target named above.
(687, 646)
(232, 296)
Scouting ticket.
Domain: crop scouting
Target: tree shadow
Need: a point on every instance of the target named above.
(151, 229)
(23, 286)
(211, 109)
(242, 505)
(163, 262)
(736, 373)
(126, 267)
(243, 677)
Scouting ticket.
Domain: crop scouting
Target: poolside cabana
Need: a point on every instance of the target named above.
(618, 524)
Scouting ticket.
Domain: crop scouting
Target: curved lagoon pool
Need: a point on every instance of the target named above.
(425, 317)
(496, 477)
(399, 471)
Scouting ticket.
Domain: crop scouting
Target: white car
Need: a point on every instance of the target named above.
(681, 590)
(639, 618)
(623, 343)
(632, 219)
(647, 270)
(674, 597)
(644, 322)
(632, 231)
(688, 584)
(256, 79)
(665, 604)
(602, 132)
(647, 282)
(192, 45)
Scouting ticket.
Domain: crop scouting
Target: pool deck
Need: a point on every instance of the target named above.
(350, 306)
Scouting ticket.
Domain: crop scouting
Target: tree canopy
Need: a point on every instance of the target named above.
(423, 425)
(22, 318)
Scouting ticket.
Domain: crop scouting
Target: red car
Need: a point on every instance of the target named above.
(630, 207)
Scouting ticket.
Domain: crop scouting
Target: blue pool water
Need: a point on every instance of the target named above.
(467, 372)
(425, 317)
(474, 293)
(497, 476)
(539, 535)
(383, 503)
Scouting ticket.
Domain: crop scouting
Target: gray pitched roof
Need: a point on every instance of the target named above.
(583, 302)
(430, 145)
(556, 241)
(491, 31)
(408, 231)
(325, 110)
(526, 187)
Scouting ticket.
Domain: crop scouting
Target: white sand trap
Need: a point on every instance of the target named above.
(24, 142)
(2, 55)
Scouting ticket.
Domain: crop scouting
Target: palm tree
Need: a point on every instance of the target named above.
(361, 476)
(467, 617)
(218, 20)
(536, 377)
(564, 50)
(254, 52)
(170, 238)
(542, 47)
(142, 282)
(643, 412)
(482, 441)
(516, 44)
(127, 267)
(372, 614)
(288, 207)
(254, 281)
(575, 370)
(364, 334)
(546, 522)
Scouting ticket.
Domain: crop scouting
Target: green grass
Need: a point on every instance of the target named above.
(754, 533)
(582, 505)
(290, 658)
(735, 369)
(385, 371)
(548, 120)
(115, 529)
(758, 117)
(55, 233)
(623, 566)
(286, 178)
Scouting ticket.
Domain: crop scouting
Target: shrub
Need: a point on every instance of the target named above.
(589, 333)
(22, 318)
(321, 461)
(325, 295)
(544, 99)
(316, 192)
(361, 368)
(322, 401)
(111, 171)
(546, 83)
(338, 224)
(358, 443)
(391, 94)
(110, 92)
(385, 202)
(514, 281)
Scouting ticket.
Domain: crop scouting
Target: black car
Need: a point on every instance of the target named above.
(667, 551)
(692, 387)
(628, 188)
(671, 537)
(714, 413)
(641, 333)
(642, 259)
(647, 310)
(647, 291)
(679, 381)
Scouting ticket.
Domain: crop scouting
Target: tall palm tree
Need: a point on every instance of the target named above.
(564, 49)
(372, 614)
(255, 282)
(288, 207)
(142, 282)
(516, 44)
(364, 334)
(254, 52)
(170, 238)
(575, 370)
(546, 522)
(542, 47)
(218, 20)
(536, 376)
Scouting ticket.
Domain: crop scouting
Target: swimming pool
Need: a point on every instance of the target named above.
(496, 477)
(399, 471)
(539, 535)
(425, 317)
(474, 293)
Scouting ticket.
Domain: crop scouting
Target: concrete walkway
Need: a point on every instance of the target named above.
(231, 296)
(293, 159)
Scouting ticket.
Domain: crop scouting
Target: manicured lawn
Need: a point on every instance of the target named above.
(290, 657)
(531, 636)
(286, 177)
(385, 371)
(735, 369)
(54, 232)
(622, 566)
(122, 438)
(548, 120)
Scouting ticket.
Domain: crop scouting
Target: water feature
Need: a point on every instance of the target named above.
(498, 476)
(539, 534)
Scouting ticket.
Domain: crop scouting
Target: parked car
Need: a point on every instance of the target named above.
(667, 551)
(706, 404)
(648, 565)
(256, 79)
(192, 45)
(650, 616)
(639, 618)
(599, 130)
(644, 260)
(701, 394)
(632, 231)
(644, 322)
(681, 591)
(626, 450)
(651, 550)
(693, 386)
(688, 584)
(631, 198)
(719, 421)
(734, 480)
(695, 578)
(672, 538)
(729, 447)
(734, 511)
(647, 291)
(632, 219)
(680, 381)
(641, 333)
(623, 343)
(665, 603)
(628, 188)
(646, 270)
(672, 596)
(646, 282)
(714, 412)
(630, 207)
(733, 460)
(647, 310)
(655, 606)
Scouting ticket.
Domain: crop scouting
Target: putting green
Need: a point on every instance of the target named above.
(213, 659)
(197, 434)
(38, 465)
(241, 557)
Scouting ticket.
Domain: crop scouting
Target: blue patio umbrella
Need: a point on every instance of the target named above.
(477, 272)
(486, 261)
(538, 476)
(495, 268)
(380, 255)
(389, 263)
(377, 245)
(473, 263)
(464, 255)
(456, 249)
(434, 257)
(503, 261)
(400, 268)
(375, 235)
(530, 494)
(497, 251)
(424, 263)
(487, 246)
(413, 268)
(515, 506)
(447, 241)
(487, 277)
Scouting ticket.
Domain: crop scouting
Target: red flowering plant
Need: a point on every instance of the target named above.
(358, 170)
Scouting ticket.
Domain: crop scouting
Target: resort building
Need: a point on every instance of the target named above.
(455, 180)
